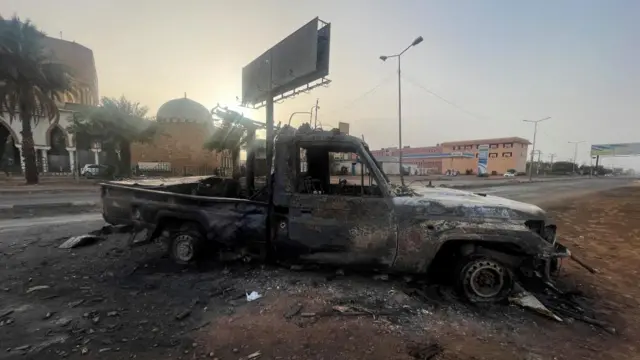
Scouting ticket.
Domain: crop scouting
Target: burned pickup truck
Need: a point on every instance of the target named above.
(480, 242)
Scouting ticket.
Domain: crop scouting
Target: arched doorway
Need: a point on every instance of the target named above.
(9, 153)
(58, 157)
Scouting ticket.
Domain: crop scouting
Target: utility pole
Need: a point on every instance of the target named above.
(535, 132)
(551, 156)
(575, 153)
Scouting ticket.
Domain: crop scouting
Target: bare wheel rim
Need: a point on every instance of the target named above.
(485, 279)
(183, 247)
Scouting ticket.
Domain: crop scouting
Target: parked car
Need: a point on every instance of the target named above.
(93, 170)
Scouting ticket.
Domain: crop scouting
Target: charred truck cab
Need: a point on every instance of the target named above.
(480, 242)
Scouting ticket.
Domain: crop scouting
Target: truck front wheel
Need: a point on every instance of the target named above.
(186, 245)
(483, 279)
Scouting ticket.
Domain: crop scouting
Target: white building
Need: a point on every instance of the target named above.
(54, 144)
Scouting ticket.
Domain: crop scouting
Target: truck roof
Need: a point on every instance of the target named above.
(319, 135)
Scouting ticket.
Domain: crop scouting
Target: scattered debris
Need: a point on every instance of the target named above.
(584, 265)
(37, 288)
(254, 355)
(253, 296)
(381, 277)
(523, 298)
(76, 303)
(78, 241)
(6, 313)
(424, 352)
(183, 314)
(293, 311)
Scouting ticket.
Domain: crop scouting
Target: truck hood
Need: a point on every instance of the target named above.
(454, 202)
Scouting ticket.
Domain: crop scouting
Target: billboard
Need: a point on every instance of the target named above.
(298, 60)
(483, 158)
(628, 149)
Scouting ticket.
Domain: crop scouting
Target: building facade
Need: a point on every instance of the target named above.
(504, 154)
(457, 157)
(184, 127)
(54, 144)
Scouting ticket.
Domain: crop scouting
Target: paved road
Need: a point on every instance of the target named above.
(537, 193)
(49, 198)
(81, 195)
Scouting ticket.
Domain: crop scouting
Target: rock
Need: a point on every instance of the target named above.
(254, 355)
(381, 277)
(49, 315)
(293, 311)
(211, 354)
(339, 272)
(113, 313)
(6, 313)
(37, 288)
(235, 350)
(96, 320)
(84, 351)
(104, 350)
(22, 348)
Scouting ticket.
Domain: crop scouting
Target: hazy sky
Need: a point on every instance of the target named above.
(498, 61)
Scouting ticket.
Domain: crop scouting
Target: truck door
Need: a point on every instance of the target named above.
(338, 222)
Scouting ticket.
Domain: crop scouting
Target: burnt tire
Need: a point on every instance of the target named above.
(186, 245)
(481, 279)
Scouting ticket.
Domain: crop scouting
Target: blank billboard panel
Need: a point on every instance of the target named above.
(295, 56)
(343, 128)
(628, 149)
(299, 59)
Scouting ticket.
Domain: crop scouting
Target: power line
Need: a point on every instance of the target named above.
(362, 96)
(433, 93)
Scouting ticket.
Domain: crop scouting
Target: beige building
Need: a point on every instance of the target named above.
(504, 154)
(184, 126)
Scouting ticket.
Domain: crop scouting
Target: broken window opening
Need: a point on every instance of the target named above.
(335, 169)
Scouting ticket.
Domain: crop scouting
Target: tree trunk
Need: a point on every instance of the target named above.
(125, 159)
(28, 151)
(235, 159)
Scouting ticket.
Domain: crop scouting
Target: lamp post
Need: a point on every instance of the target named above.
(415, 42)
(575, 153)
(533, 150)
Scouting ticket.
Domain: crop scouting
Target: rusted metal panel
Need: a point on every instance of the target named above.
(341, 229)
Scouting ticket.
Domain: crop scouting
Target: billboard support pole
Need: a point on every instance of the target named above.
(269, 153)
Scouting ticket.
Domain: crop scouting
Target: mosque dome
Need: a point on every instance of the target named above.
(183, 109)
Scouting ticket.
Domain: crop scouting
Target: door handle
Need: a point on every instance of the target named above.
(305, 210)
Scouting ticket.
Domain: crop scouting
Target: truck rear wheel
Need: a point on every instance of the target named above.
(186, 245)
(483, 279)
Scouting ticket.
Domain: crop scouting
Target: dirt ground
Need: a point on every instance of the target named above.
(107, 302)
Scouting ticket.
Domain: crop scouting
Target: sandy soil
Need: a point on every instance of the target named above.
(110, 303)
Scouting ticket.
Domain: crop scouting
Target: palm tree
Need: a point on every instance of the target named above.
(233, 134)
(30, 83)
(116, 124)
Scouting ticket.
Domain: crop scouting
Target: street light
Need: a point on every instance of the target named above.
(415, 42)
(533, 150)
(575, 153)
